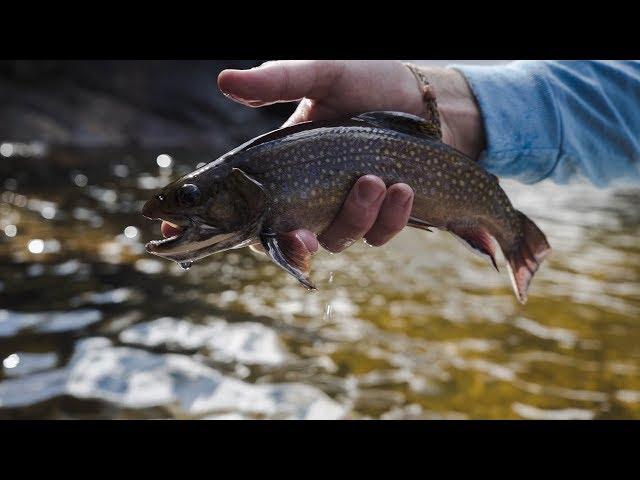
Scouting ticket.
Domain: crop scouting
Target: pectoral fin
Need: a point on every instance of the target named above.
(289, 253)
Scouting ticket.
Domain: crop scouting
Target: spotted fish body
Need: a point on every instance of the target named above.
(307, 175)
(306, 171)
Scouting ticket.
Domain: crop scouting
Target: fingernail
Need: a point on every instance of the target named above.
(244, 101)
(233, 97)
(400, 196)
(367, 193)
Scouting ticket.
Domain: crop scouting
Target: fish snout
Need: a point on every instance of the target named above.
(151, 209)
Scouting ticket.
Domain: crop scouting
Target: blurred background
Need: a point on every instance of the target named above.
(93, 327)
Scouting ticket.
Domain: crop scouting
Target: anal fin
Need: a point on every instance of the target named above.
(478, 238)
(289, 253)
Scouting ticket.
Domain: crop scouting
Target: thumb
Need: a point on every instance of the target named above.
(280, 81)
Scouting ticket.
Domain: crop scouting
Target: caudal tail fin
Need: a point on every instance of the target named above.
(525, 256)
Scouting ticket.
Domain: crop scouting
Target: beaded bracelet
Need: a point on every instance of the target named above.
(428, 97)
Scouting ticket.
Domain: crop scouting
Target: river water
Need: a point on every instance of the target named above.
(93, 327)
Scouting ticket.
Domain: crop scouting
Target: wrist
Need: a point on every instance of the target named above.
(460, 117)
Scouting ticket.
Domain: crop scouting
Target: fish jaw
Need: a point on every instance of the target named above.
(195, 242)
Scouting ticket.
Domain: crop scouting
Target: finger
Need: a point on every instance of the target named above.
(393, 216)
(357, 215)
(308, 238)
(280, 81)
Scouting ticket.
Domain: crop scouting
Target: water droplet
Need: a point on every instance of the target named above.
(185, 265)
(328, 312)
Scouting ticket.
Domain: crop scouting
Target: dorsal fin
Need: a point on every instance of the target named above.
(264, 138)
(403, 122)
(290, 130)
(398, 121)
(276, 134)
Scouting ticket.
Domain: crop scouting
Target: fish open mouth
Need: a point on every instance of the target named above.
(170, 233)
(169, 229)
(190, 242)
(174, 236)
(189, 238)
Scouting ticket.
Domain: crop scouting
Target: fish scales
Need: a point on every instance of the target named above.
(307, 170)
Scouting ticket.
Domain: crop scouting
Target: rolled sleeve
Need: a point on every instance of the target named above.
(523, 133)
(559, 119)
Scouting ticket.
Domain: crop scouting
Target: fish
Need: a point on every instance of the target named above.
(298, 177)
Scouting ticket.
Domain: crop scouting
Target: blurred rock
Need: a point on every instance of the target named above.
(125, 103)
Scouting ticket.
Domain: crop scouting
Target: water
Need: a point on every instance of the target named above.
(93, 327)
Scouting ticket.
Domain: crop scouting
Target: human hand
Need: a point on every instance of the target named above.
(332, 89)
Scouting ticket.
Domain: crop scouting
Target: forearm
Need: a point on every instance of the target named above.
(559, 119)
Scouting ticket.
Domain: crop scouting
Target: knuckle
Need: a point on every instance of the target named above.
(285, 81)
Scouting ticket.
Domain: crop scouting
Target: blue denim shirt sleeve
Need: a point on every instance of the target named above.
(560, 119)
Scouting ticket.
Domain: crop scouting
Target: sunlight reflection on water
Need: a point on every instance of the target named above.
(418, 329)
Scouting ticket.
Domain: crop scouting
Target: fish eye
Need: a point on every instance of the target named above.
(160, 197)
(188, 195)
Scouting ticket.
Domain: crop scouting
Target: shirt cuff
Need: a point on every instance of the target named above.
(522, 127)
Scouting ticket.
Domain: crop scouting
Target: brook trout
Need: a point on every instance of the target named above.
(299, 176)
